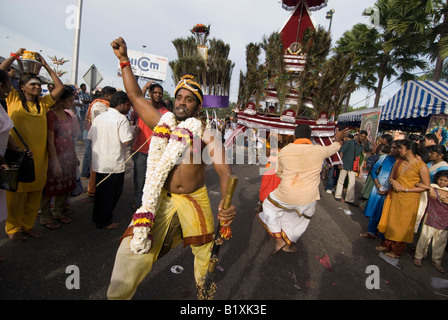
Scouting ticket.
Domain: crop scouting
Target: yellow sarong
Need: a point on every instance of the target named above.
(400, 208)
(196, 220)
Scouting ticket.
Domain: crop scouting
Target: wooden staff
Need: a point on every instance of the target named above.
(207, 290)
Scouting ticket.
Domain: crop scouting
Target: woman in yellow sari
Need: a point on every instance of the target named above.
(28, 111)
(401, 204)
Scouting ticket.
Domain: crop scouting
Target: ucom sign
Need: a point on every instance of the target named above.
(144, 64)
(147, 65)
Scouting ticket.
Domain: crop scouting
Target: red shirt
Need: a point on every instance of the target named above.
(145, 133)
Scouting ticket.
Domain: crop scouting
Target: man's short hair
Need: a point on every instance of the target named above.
(433, 137)
(302, 131)
(118, 98)
(155, 85)
(388, 138)
(108, 90)
(363, 132)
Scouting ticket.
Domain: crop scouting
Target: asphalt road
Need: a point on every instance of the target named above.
(40, 269)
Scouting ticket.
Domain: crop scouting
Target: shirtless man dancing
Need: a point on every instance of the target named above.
(182, 211)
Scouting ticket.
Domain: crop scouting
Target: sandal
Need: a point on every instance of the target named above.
(439, 268)
(367, 235)
(18, 236)
(64, 219)
(418, 262)
(390, 254)
(32, 233)
(381, 248)
(51, 225)
(113, 225)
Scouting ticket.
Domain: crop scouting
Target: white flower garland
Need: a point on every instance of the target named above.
(168, 142)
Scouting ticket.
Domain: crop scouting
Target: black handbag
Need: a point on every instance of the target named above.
(9, 179)
(22, 161)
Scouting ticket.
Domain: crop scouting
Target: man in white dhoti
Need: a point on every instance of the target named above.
(288, 209)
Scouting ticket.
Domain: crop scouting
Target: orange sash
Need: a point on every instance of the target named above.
(88, 121)
(302, 141)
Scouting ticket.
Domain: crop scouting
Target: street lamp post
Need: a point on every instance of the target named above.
(74, 76)
(329, 16)
(140, 78)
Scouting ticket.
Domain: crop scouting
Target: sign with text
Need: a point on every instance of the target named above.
(147, 65)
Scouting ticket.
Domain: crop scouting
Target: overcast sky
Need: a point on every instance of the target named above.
(45, 25)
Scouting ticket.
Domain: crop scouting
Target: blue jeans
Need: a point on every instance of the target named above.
(332, 177)
(140, 160)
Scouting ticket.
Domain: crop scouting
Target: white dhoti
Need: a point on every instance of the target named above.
(287, 221)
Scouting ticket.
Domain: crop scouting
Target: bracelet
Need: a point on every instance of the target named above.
(407, 190)
(124, 64)
(15, 55)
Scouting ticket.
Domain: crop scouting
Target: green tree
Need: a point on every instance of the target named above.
(356, 42)
(429, 75)
(424, 22)
(380, 60)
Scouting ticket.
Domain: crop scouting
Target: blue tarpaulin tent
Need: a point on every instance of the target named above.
(409, 109)
(417, 99)
(355, 116)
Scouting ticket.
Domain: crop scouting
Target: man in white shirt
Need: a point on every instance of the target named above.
(110, 135)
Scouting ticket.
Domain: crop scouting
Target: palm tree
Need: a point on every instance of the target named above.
(425, 22)
(358, 43)
(429, 75)
(376, 59)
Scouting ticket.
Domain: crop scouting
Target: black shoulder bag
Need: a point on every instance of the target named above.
(22, 161)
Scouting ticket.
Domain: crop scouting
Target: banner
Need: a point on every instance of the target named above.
(370, 123)
(438, 124)
(211, 101)
(147, 65)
